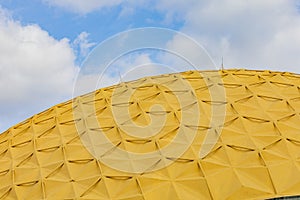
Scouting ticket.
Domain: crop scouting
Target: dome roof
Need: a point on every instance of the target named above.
(87, 148)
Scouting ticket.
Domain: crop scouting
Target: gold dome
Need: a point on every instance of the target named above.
(255, 155)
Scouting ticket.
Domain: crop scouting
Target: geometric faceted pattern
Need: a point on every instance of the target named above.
(256, 156)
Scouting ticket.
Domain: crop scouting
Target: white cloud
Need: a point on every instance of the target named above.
(36, 70)
(190, 52)
(252, 34)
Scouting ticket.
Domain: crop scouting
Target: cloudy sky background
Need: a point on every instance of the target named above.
(44, 42)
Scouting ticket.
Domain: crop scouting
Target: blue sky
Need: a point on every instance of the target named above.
(100, 25)
(43, 42)
(61, 23)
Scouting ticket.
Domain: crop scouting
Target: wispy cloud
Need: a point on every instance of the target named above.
(82, 45)
(83, 7)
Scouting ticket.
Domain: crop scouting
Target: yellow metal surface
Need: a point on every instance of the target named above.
(55, 154)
